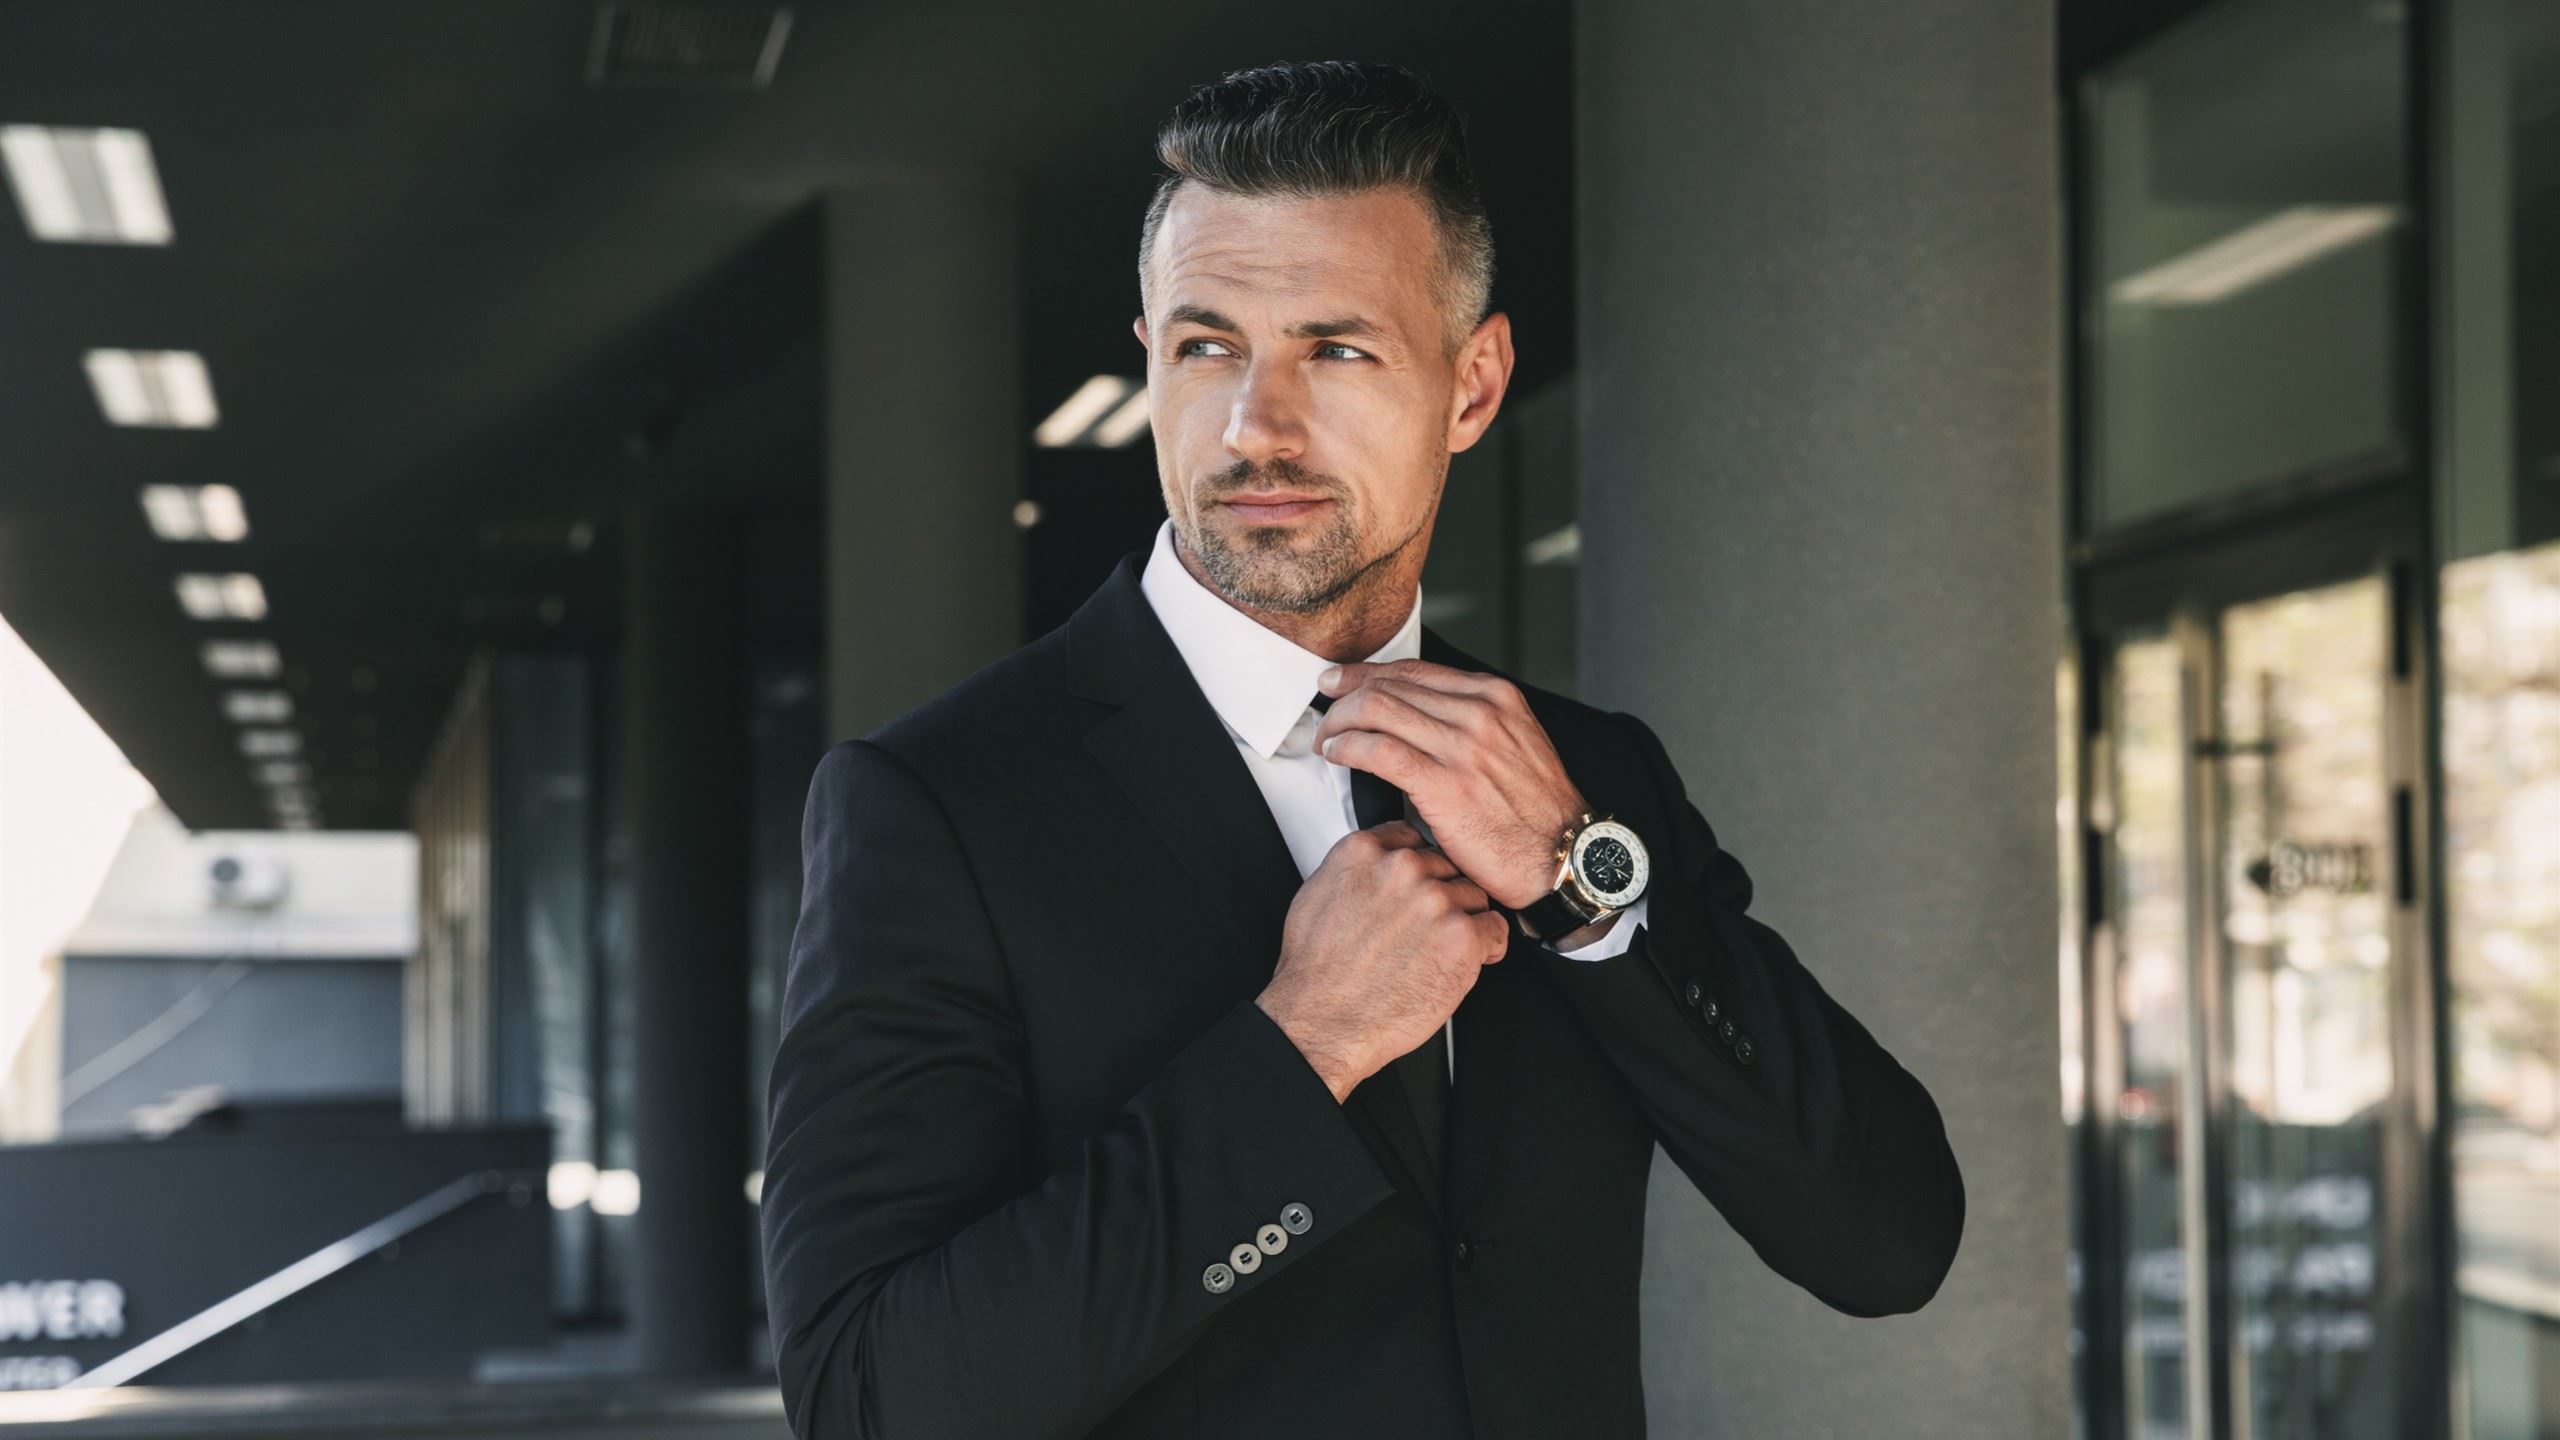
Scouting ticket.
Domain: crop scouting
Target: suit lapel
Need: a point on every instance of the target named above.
(1166, 748)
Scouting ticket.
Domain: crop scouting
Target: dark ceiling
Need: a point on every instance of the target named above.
(438, 278)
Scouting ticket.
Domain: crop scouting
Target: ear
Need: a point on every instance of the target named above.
(1482, 378)
(1140, 325)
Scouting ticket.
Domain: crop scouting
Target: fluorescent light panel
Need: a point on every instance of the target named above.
(2254, 254)
(257, 707)
(161, 389)
(86, 185)
(236, 595)
(281, 772)
(270, 744)
(1093, 400)
(1124, 424)
(195, 512)
(1556, 547)
(241, 659)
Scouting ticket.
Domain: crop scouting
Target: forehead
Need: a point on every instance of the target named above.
(1372, 248)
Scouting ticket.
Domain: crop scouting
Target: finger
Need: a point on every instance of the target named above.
(1392, 758)
(1439, 721)
(1397, 834)
(1425, 672)
(1497, 934)
(1470, 895)
(1388, 713)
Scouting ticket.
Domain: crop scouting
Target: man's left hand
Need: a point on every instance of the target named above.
(1477, 765)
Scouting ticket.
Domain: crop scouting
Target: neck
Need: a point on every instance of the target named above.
(1354, 625)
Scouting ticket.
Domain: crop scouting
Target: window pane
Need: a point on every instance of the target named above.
(2501, 628)
(2248, 199)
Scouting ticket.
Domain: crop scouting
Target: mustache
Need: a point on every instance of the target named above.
(1272, 475)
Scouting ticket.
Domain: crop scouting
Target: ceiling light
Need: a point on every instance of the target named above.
(1126, 423)
(270, 744)
(195, 512)
(1556, 547)
(168, 389)
(282, 772)
(85, 184)
(241, 659)
(233, 596)
(2281, 243)
(617, 1192)
(257, 707)
(1093, 399)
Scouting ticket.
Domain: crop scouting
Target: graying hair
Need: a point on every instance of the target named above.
(1327, 127)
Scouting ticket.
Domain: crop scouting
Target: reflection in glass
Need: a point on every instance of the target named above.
(2501, 636)
(2149, 903)
(2302, 805)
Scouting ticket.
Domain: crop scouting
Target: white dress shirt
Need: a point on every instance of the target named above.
(1260, 682)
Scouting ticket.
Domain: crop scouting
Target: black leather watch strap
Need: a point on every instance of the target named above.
(1549, 916)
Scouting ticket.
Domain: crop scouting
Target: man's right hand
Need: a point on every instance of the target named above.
(1382, 942)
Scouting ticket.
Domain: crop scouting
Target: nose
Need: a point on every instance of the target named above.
(1267, 418)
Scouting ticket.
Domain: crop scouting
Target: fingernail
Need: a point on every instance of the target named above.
(1331, 741)
(1331, 677)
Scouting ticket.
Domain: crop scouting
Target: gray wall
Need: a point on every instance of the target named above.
(1819, 291)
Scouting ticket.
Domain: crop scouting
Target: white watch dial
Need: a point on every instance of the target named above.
(1611, 863)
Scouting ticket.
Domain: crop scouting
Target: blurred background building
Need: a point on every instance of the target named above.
(2076, 485)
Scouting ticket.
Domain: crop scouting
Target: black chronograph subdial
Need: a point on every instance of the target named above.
(1608, 865)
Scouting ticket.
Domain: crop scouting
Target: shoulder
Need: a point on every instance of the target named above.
(1008, 712)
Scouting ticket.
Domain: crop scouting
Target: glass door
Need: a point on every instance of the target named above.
(2299, 795)
(2255, 1234)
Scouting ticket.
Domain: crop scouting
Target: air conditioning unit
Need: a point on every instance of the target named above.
(243, 880)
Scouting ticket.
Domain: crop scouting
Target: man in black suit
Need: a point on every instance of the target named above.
(1238, 1012)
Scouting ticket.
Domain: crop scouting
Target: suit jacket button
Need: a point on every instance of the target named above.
(1728, 1029)
(1742, 1049)
(1466, 1255)
(1271, 1239)
(1218, 1279)
(1709, 1010)
(1695, 992)
(1245, 1258)
(1296, 1218)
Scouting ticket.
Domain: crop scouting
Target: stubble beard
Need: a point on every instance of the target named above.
(1280, 569)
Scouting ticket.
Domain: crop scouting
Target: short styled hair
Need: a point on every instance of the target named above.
(1327, 127)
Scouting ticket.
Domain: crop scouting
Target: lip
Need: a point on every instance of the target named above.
(1274, 504)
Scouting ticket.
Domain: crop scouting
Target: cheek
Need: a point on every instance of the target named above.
(1389, 437)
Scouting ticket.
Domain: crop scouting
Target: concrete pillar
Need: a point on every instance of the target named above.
(924, 437)
(1819, 291)
(684, 708)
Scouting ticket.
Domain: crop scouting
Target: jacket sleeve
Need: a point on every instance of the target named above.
(1815, 1144)
(924, 1278)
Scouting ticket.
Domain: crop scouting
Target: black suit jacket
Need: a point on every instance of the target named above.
(1024, 1098)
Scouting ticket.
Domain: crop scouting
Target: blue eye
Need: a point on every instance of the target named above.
(1337, 345)
(1184, 348)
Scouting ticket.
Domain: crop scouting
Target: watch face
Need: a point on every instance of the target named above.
(1611, 861)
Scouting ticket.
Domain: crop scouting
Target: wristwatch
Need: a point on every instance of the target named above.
(1601, 868)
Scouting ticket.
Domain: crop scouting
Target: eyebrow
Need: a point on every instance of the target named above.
(1303, 330)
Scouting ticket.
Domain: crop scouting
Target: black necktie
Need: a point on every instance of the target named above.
(1424, 1069)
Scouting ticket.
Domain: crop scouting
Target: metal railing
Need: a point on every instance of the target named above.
(292, 1279)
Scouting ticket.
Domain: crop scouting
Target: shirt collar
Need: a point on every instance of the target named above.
(1258, 680)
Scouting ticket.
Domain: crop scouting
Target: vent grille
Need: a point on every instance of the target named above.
(645, 42)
